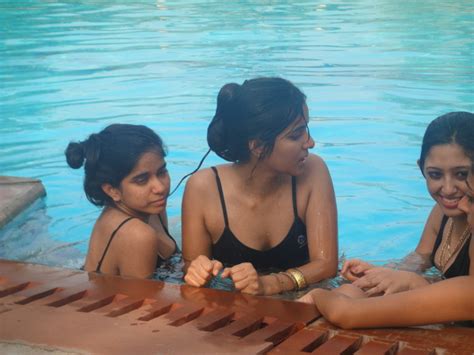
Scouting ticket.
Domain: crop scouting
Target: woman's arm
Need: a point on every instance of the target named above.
(166, 246)
(321, 223)
(320, 218)
(197, 240)
(427, 241)
(137, 250)
(444, 301)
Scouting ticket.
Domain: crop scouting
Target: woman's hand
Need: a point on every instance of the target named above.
(201, 270)
(245, 278)
(381, 280)
(354, 269)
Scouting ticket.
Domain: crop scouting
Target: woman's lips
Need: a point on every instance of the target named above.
(450, 203)
(158, 203)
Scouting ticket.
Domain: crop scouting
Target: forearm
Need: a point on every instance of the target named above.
(414, 261)
(283, 281)
(318, 270)
(449, 300)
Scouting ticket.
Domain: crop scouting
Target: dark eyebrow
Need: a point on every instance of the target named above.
(461, 167)
(297, 128)
(140, 175)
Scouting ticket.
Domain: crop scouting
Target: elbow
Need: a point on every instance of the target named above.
(338, 316)
(339, 312)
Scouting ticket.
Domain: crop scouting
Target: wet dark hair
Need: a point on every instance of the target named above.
(259, 109)
(110, 155)
(451, 128)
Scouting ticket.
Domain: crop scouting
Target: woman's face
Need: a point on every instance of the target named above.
(467, 203)
(446, 171)
(291, 147)
(146, 188)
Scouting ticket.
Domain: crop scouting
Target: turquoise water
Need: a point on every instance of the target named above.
(375, 73)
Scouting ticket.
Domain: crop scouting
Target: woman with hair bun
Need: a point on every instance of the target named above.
(273, 207)
(125, 173)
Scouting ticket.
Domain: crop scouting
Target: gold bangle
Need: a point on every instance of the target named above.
(291, 277)
(299, 277)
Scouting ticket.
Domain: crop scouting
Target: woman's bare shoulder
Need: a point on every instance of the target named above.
(315, 168)
(202, 179)
(137, 233)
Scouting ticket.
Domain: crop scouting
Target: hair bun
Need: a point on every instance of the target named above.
(75, 155)
(217, 132)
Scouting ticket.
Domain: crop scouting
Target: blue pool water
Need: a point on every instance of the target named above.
(375, 73)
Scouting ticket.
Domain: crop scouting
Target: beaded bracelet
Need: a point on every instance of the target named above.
(291, 277)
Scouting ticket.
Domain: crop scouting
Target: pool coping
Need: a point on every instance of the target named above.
(17, 193)
(72, 311)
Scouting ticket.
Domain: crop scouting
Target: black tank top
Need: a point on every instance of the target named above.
(460, 266)
(292, 251)
(159, 260)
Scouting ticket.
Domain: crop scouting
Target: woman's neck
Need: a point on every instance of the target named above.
(130, 212)
(257, 179)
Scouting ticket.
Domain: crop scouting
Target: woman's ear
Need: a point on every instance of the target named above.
(255, 148)
(112, 192)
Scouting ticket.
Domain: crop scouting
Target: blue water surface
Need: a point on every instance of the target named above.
(375, 73)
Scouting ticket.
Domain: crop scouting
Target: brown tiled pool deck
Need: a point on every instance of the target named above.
(70, 311)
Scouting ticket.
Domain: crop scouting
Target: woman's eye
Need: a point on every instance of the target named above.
(434, 175)
(296, 135)
(462, 175)
(142, 180)
(162, 172)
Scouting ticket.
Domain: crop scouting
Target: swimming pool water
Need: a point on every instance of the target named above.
(375, 73)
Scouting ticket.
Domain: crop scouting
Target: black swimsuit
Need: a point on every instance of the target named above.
(292, 251)
(159, 260)
(460, 266)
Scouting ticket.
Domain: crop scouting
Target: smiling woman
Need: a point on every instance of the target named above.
(446, 159)
(125, 172)
(444, 301)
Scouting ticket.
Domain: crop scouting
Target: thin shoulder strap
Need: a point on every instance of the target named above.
(221, 195)
(293, 194)
(166, 230)
(99, 265)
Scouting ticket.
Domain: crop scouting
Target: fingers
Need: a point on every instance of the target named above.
(216, 267)
(348, 264)
(245, 278)
(354, 269)
(201, 270)
(376, 290)
(226, 272)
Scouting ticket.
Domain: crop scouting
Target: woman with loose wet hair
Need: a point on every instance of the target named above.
(272, 208)
(446, 156)
(126, 175)
(445, 301)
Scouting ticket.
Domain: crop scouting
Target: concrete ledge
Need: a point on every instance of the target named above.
(16, 194)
